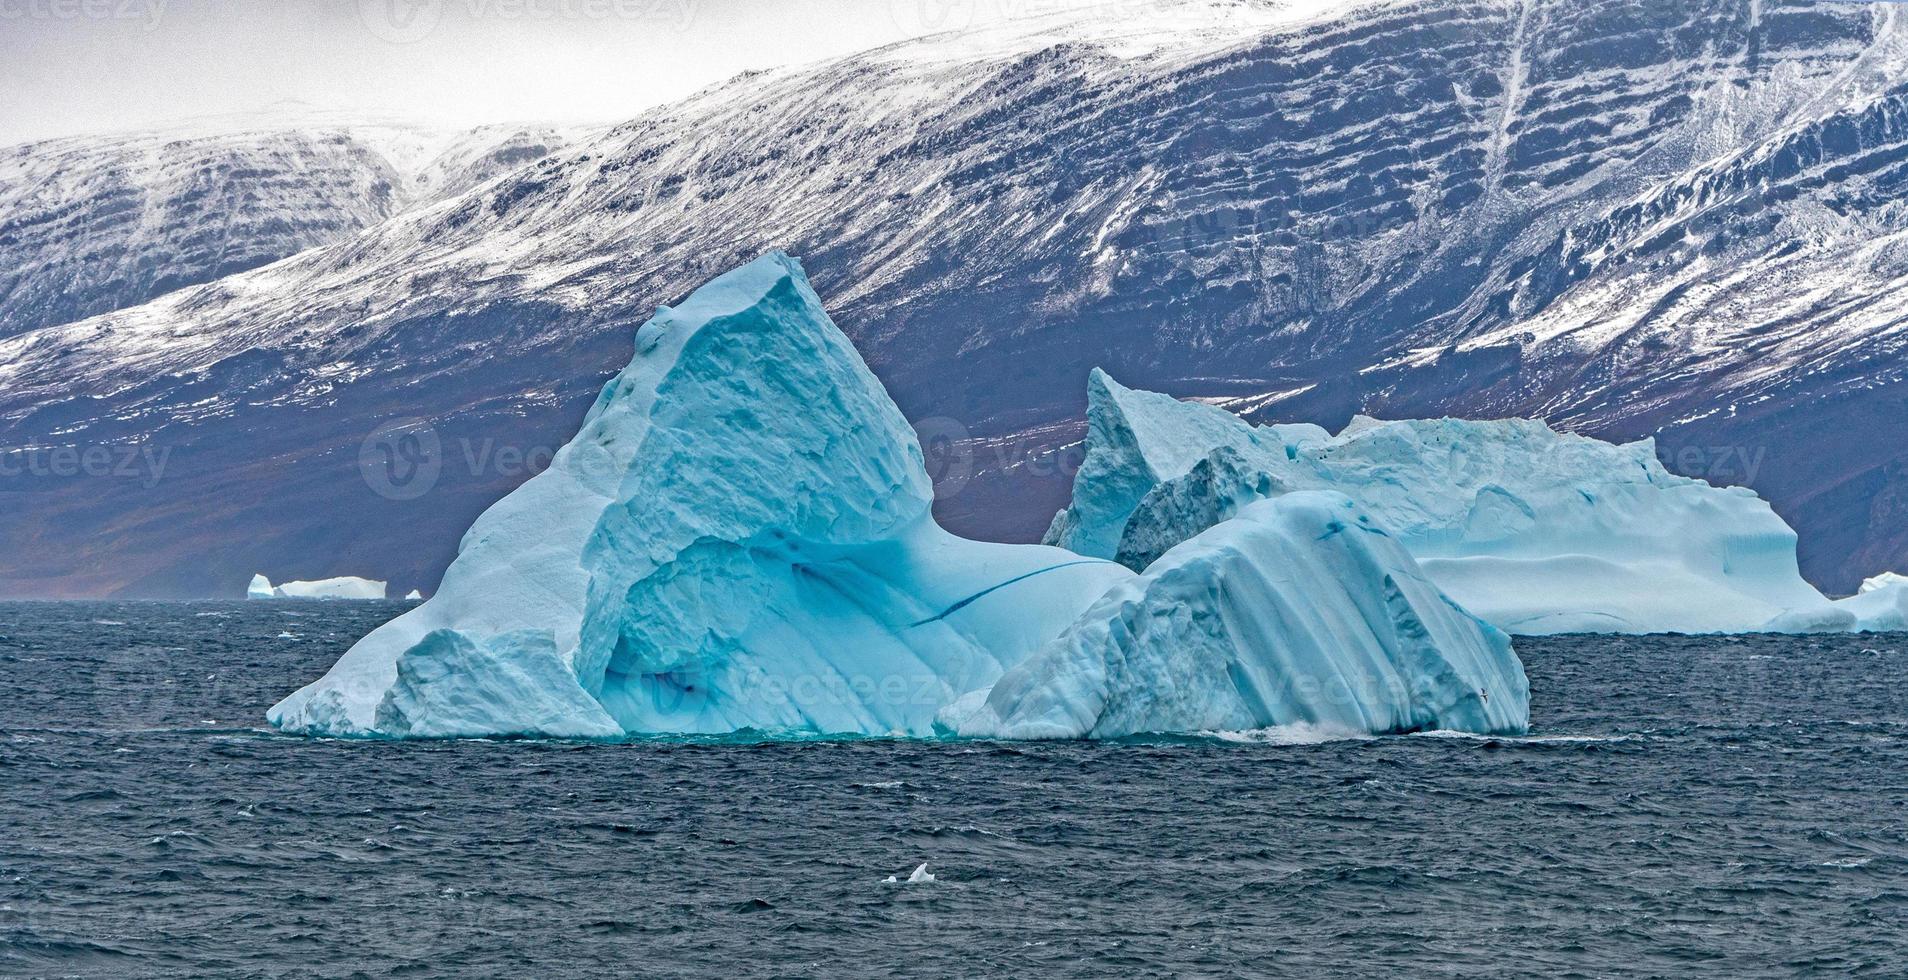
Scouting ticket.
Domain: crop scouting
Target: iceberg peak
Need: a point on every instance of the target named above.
(1885, 580)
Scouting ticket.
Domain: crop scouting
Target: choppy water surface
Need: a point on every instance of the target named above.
(1728, 807)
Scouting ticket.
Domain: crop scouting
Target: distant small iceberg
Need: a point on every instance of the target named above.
(1882, 604)
(343, 587)
(921, 876)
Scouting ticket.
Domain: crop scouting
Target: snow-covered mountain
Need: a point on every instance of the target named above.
(1624, 217)
(94, 224)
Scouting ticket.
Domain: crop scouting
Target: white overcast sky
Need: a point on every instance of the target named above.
(81, 66)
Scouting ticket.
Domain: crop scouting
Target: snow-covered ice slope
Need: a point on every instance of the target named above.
(739, 537)
(1300, 610)
(1535, 531)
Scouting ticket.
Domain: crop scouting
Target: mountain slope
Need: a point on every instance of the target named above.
(1627, 218)
(94, 224)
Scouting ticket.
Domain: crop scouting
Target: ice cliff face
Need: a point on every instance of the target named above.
(1535, 531)
(770, 560)
(741, 537)
(1299, 611)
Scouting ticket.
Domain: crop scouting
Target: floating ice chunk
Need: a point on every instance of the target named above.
(345, 587)
(1298, 611)
(413, 596)
(449, 685)
(1881, 606)
(919, 877)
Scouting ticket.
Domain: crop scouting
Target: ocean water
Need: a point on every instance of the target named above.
(1720, 807)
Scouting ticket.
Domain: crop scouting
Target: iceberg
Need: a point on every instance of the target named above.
(344, 587)
(740, 537)
(920, 876)
(1300, 610)
(1535, 531)
(1881, 606)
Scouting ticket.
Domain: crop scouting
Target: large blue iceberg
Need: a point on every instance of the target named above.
(1533, 530)
(740, 538)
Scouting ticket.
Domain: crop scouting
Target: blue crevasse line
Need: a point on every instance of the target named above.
(957, 607)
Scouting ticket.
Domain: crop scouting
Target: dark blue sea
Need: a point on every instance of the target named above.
(1715, 807)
